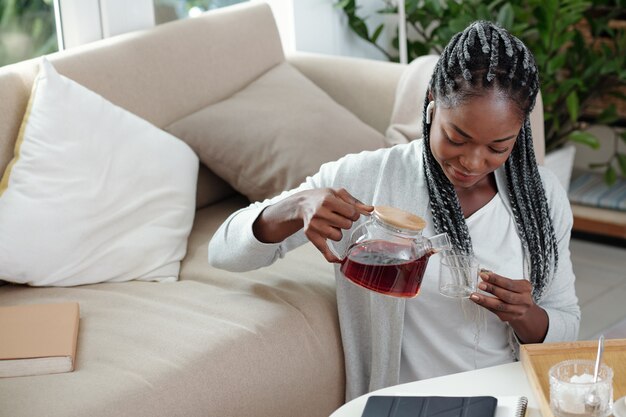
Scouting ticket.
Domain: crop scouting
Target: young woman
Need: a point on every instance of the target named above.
(474, 176)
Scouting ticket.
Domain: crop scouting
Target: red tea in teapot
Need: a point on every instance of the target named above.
(370, 266)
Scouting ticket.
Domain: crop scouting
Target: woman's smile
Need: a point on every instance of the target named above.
(460, 174)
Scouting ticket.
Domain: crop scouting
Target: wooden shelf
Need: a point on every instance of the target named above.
(599, 221)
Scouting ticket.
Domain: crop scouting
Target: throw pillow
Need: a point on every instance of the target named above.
(94, 193)
(406, 118)
(275, 132)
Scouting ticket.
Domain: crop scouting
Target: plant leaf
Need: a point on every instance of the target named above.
(377, 32)
(572, 106)
(608, 115)
(418, 49)
(597, 165)
(342, 4)
(621, 158)
(359, 27)
(610, 176)
(623, 136)
(435, 5)
(556, 63)
(506, 15)
(584, 138)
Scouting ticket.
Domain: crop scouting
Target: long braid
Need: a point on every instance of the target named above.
(444, 202)
(484, 57)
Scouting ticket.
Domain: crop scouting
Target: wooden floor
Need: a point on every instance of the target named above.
(601, 288)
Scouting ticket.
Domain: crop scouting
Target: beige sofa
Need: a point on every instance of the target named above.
(263, 343)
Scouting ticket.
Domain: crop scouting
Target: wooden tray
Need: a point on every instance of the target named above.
(539, 358)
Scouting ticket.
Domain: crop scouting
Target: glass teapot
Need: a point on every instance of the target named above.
(388, 253)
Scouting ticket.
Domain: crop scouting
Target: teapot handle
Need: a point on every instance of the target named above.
(332, 249)
(355, 235)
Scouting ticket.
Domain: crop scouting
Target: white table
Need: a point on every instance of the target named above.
(501, 380)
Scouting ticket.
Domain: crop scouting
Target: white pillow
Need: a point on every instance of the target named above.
(94, 193)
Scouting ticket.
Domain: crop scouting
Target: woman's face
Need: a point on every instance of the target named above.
(472, 140)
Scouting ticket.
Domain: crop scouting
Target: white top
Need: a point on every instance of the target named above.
(371, 323)
(480, 337)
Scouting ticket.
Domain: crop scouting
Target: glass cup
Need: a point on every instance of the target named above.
(571, 382)
(458, 275)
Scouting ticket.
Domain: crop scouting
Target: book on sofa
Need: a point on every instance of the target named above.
(38, 339)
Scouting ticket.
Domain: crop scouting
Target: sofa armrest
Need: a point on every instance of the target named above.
(365, 87)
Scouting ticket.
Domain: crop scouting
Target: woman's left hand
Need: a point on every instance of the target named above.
(512, 297)
(512, 302)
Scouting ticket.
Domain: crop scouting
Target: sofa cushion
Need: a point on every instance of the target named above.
(94, 192)
(211, 188)
(269, 136)
(160, 74)
(406, 118)
(264, 343)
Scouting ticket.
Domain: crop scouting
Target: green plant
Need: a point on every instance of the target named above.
(27, 29)
(579, 49)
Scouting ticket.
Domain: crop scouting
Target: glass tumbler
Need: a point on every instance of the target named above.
(458, 275)
(570, 383)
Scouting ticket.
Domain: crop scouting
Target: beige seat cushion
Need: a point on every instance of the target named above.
(264, 343)
(273, 133)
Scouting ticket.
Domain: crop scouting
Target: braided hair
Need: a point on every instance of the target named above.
(481, 58)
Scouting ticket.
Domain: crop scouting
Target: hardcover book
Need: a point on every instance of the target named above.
(38, 339)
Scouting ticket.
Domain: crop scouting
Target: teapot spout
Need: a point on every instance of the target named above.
(439, 242)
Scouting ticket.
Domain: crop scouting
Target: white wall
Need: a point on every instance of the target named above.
(317, 26)
(304, 25)
(320, 27)
(284, 16)
(121, 16)
(84, 21)
(79, 21)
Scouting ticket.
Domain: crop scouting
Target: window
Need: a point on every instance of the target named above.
(168, 10)
(27, 30)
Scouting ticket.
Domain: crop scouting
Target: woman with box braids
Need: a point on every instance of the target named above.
(474, 176)
(486, 57)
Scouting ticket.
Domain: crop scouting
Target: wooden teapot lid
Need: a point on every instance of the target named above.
(399, 218)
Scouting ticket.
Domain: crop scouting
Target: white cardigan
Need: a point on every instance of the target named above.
(372, 324)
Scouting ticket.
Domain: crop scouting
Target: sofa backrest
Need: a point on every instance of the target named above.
(161, 74)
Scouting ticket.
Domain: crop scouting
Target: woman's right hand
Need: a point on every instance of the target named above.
(322, 213)
(325, 212)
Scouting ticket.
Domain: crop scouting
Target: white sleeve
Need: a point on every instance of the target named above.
(560, 301)
(234, 246)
